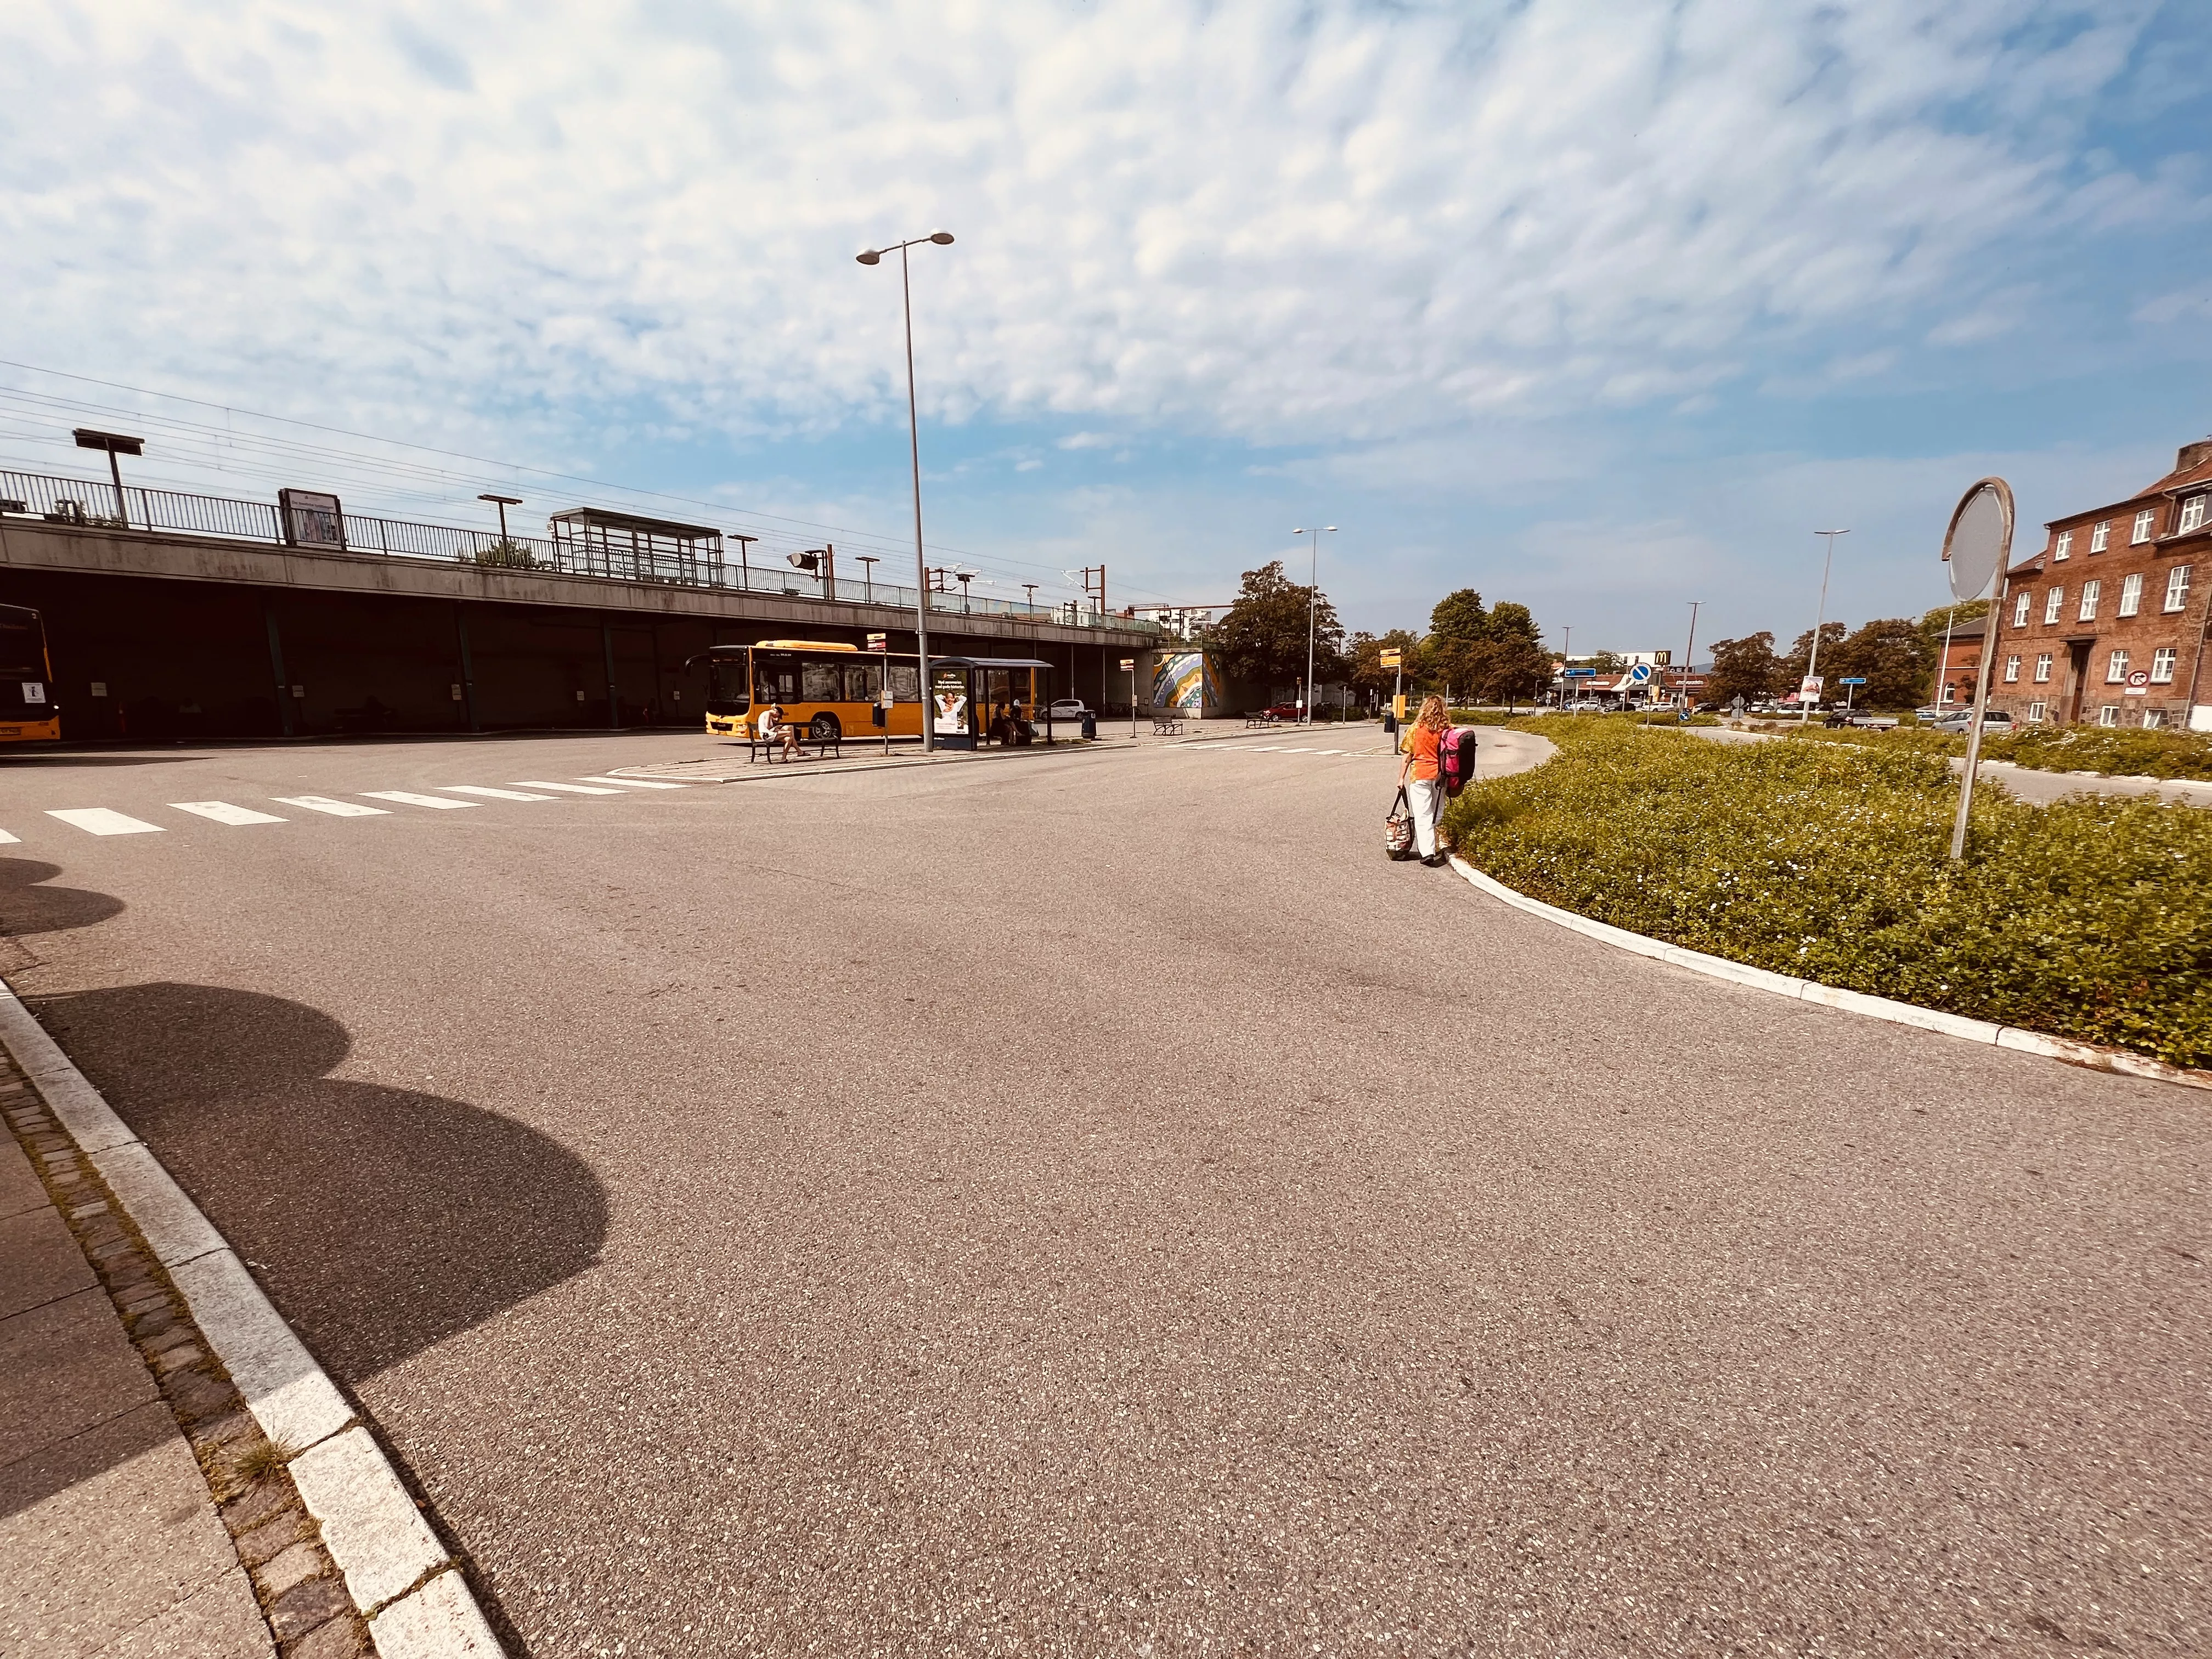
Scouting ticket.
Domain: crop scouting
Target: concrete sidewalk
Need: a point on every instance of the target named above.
(109, 1539)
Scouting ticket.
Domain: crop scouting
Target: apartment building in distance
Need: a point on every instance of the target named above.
(2106, 624)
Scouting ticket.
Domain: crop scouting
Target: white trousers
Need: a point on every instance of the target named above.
(1426, 797)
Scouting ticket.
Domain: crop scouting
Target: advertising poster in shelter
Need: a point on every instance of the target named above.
(949, 701)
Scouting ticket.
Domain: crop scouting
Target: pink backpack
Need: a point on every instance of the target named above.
(1455, 759)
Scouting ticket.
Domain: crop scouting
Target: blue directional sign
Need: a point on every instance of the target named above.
(1850, 682)
(1578, 673)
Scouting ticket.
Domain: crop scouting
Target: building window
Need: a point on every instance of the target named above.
(2154, 718)
(2043, 669)
(2109, 715)
(2115, 668)
(2089, 591)
(2192, 513)
(2177, 587)
(2020, 610)
(2144, 519)
(2101, 537)
(2012, 670)
(2161, 664)
(2036, 711)
(2131, 593)
(2063, 547)
(2052, 601)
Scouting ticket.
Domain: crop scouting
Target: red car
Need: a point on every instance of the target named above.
(1282, 711)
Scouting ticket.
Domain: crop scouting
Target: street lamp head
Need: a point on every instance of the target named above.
(502, 501)
(868, 255)
(942, 238)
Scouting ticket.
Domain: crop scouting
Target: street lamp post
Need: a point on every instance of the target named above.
(874, 256)
(1819, 621)
(1690, 653)
(868, 577)
(744, 560)
(1313, 602)
(114, 444)
(502, 502)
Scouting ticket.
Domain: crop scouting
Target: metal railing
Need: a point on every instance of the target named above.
(91, 502)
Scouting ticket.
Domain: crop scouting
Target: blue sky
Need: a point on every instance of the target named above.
(1603, 308)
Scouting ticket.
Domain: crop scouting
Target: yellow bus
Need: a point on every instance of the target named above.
(832, 690)
(28, 712)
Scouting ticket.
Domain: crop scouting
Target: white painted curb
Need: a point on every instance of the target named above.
(1829, 996)
(371, 1526)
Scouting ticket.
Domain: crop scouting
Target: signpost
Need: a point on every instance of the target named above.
(2138, 684)
(1129, 667)
(1849, 685)
(1394, 659)
(1976, 550)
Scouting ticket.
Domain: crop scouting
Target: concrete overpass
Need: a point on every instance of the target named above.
(161, 635)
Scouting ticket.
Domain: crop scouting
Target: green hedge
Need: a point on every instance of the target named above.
(2086, 919)
(2112, 750)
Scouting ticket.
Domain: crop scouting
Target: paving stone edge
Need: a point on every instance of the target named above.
(1857, 1002)
(400, 1578)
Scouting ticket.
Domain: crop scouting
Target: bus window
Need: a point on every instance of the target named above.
(906, 682)
(862, 681)
(821, 682)
(775, 682)
(725, 684)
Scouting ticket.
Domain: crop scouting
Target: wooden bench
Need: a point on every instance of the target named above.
(1167, 725)
(774, 747)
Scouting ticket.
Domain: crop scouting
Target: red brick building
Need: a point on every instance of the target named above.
(2106, 624)
(1962, 659)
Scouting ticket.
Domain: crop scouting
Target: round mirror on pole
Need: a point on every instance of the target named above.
(1974, 546)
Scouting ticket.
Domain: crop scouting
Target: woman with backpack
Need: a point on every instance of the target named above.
(1417, 776)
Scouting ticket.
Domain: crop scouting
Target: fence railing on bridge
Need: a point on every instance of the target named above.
(92, 503)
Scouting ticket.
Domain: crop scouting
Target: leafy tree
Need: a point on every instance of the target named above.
(1745, 668)
(1893, 656)
(1606, 662)
(1365, 653)
(1794, 666)
(1507, 669)
(1459, 619)
(1509, 622)
(1262, 637)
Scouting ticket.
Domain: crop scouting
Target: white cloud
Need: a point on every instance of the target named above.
(1340, 222)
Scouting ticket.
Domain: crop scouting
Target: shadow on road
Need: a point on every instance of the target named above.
(381, 1220)
(28, 906)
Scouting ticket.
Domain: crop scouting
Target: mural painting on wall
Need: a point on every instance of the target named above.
(1187, 681)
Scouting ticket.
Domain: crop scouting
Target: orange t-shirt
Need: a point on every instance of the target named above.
(1423, 747)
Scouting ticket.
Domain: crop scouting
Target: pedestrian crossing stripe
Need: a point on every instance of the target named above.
(406, 797)
(336, 809)
(99, 821)
(221, 811)
(566, 788)
(8, 840)
(488, 793)
(637, 783)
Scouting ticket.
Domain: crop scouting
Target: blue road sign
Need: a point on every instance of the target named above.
(1852, 682)
(1578, 673)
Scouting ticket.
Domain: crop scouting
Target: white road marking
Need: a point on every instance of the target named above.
(565, 788)
(491, 793)
(637, 783)
(223, 813)
(98, 821)
(336, 809)
(7, 840)
(406, 799)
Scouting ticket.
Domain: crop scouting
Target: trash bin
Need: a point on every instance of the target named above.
(1090, 724)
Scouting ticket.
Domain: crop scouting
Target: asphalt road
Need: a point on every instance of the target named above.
(1093, 1203)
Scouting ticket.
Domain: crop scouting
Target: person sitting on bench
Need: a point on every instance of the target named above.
(773, 728)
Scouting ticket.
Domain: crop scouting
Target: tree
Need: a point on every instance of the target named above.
(1506, 670)
(1892, 655)
(1509, 622)
(1796, 665)
(1262, 637)
(1459, 619)
(1935, 623)
(1745, 668)
(1606, 662)
(1365, 655)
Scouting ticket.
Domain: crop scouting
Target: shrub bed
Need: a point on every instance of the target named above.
(2113, 751)
(2086, 919)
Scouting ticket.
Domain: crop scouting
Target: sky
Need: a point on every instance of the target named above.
(1600, 305)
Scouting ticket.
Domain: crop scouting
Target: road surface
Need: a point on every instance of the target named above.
(1092, 1202)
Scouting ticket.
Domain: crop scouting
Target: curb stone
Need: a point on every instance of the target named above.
(390, 1557)
(1894, 1012)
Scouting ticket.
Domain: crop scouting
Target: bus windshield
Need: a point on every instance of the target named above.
(726, 693)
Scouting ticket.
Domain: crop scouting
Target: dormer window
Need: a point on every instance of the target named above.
(2193, 514)
(2101, 537)
(2144, 521)
(2063, 548)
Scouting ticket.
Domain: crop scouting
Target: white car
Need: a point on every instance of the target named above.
(1062, 708)
(1995, 720)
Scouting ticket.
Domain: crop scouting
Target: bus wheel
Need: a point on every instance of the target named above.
(824, 726)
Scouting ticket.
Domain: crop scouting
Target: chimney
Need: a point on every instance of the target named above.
(2193, 455)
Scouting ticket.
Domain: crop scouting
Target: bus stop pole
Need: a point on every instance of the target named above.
(920, 559)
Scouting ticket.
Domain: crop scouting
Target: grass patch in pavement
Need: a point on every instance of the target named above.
(2086, 919)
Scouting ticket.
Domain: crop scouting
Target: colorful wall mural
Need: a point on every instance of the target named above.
(1185, 680)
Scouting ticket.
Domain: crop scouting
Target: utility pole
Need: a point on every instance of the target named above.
(1690, 654)
(1819, 621)
(869, 562)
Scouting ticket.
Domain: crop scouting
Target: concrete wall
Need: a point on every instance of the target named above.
(194, 638)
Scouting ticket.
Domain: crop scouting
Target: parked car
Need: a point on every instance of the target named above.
(1875, 722)
(1957, 721)
(1063, 708)
(1281, 711)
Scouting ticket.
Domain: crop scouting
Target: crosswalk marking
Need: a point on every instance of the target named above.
(8, 840)
(635, 783)
(406, 797)
(565, 788)
(98, 821)
(336, 809)
(488, 793)
(223, 813)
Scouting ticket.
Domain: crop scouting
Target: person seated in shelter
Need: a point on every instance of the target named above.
(1024, 732)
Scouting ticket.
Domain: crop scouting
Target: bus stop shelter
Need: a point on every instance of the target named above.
(969, 697)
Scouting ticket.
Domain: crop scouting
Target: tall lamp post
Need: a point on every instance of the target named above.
(1819, 621)
(874, 256)
(1690, 653)
(869, 562)
(502, 502)
(1313, 602)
